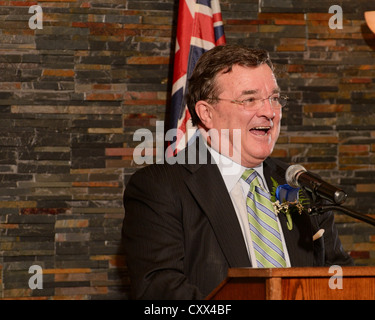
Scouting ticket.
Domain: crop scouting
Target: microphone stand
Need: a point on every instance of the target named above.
(319, 208)
(347, 211)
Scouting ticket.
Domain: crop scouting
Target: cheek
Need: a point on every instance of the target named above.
(278, 116)
(219, 118)
(277, 124)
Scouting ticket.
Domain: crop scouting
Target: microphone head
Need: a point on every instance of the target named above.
(292, 173)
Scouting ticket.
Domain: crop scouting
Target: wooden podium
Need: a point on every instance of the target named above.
(316, 283)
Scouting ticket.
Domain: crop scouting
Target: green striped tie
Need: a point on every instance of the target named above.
(264, 228)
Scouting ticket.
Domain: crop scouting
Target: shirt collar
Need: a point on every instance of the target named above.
(231, 171)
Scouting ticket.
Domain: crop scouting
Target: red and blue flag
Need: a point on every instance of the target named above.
(199, 28)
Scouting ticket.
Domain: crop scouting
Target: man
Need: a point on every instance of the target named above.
(187, 223)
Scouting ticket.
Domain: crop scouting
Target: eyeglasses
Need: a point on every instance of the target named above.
(252, 103)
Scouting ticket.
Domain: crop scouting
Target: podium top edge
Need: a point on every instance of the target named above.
(301, 272)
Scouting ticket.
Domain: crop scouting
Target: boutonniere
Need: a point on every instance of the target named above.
(287, 200)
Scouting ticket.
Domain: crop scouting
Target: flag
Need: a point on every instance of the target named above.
(199, 28)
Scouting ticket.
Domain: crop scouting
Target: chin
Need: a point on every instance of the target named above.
(254, 160)
(260, 153)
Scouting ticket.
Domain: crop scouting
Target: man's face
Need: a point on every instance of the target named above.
(260, 127)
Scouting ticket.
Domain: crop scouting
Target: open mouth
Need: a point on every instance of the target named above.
(260, 131)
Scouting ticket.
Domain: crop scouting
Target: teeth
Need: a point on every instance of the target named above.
(262, 128)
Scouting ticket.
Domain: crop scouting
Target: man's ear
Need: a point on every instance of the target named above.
(204, 112)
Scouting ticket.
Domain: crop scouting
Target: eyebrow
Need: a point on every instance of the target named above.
(245, 92)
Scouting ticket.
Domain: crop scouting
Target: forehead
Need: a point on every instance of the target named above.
(240, 79)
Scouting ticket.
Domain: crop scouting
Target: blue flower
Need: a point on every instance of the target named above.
(286, 198)
(286, 193)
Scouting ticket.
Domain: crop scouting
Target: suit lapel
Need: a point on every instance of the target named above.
(208, 188)
(298, 240)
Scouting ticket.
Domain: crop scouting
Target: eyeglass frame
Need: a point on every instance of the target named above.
(282, 103)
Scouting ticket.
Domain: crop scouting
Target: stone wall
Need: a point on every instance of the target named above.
(73, 93)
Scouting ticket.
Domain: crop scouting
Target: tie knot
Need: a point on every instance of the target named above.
(250, 176)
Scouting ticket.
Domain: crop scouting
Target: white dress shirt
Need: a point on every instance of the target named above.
(238, 189)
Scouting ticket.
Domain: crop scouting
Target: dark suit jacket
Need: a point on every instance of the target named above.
(181, 232)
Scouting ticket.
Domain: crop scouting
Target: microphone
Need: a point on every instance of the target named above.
(297, 176)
